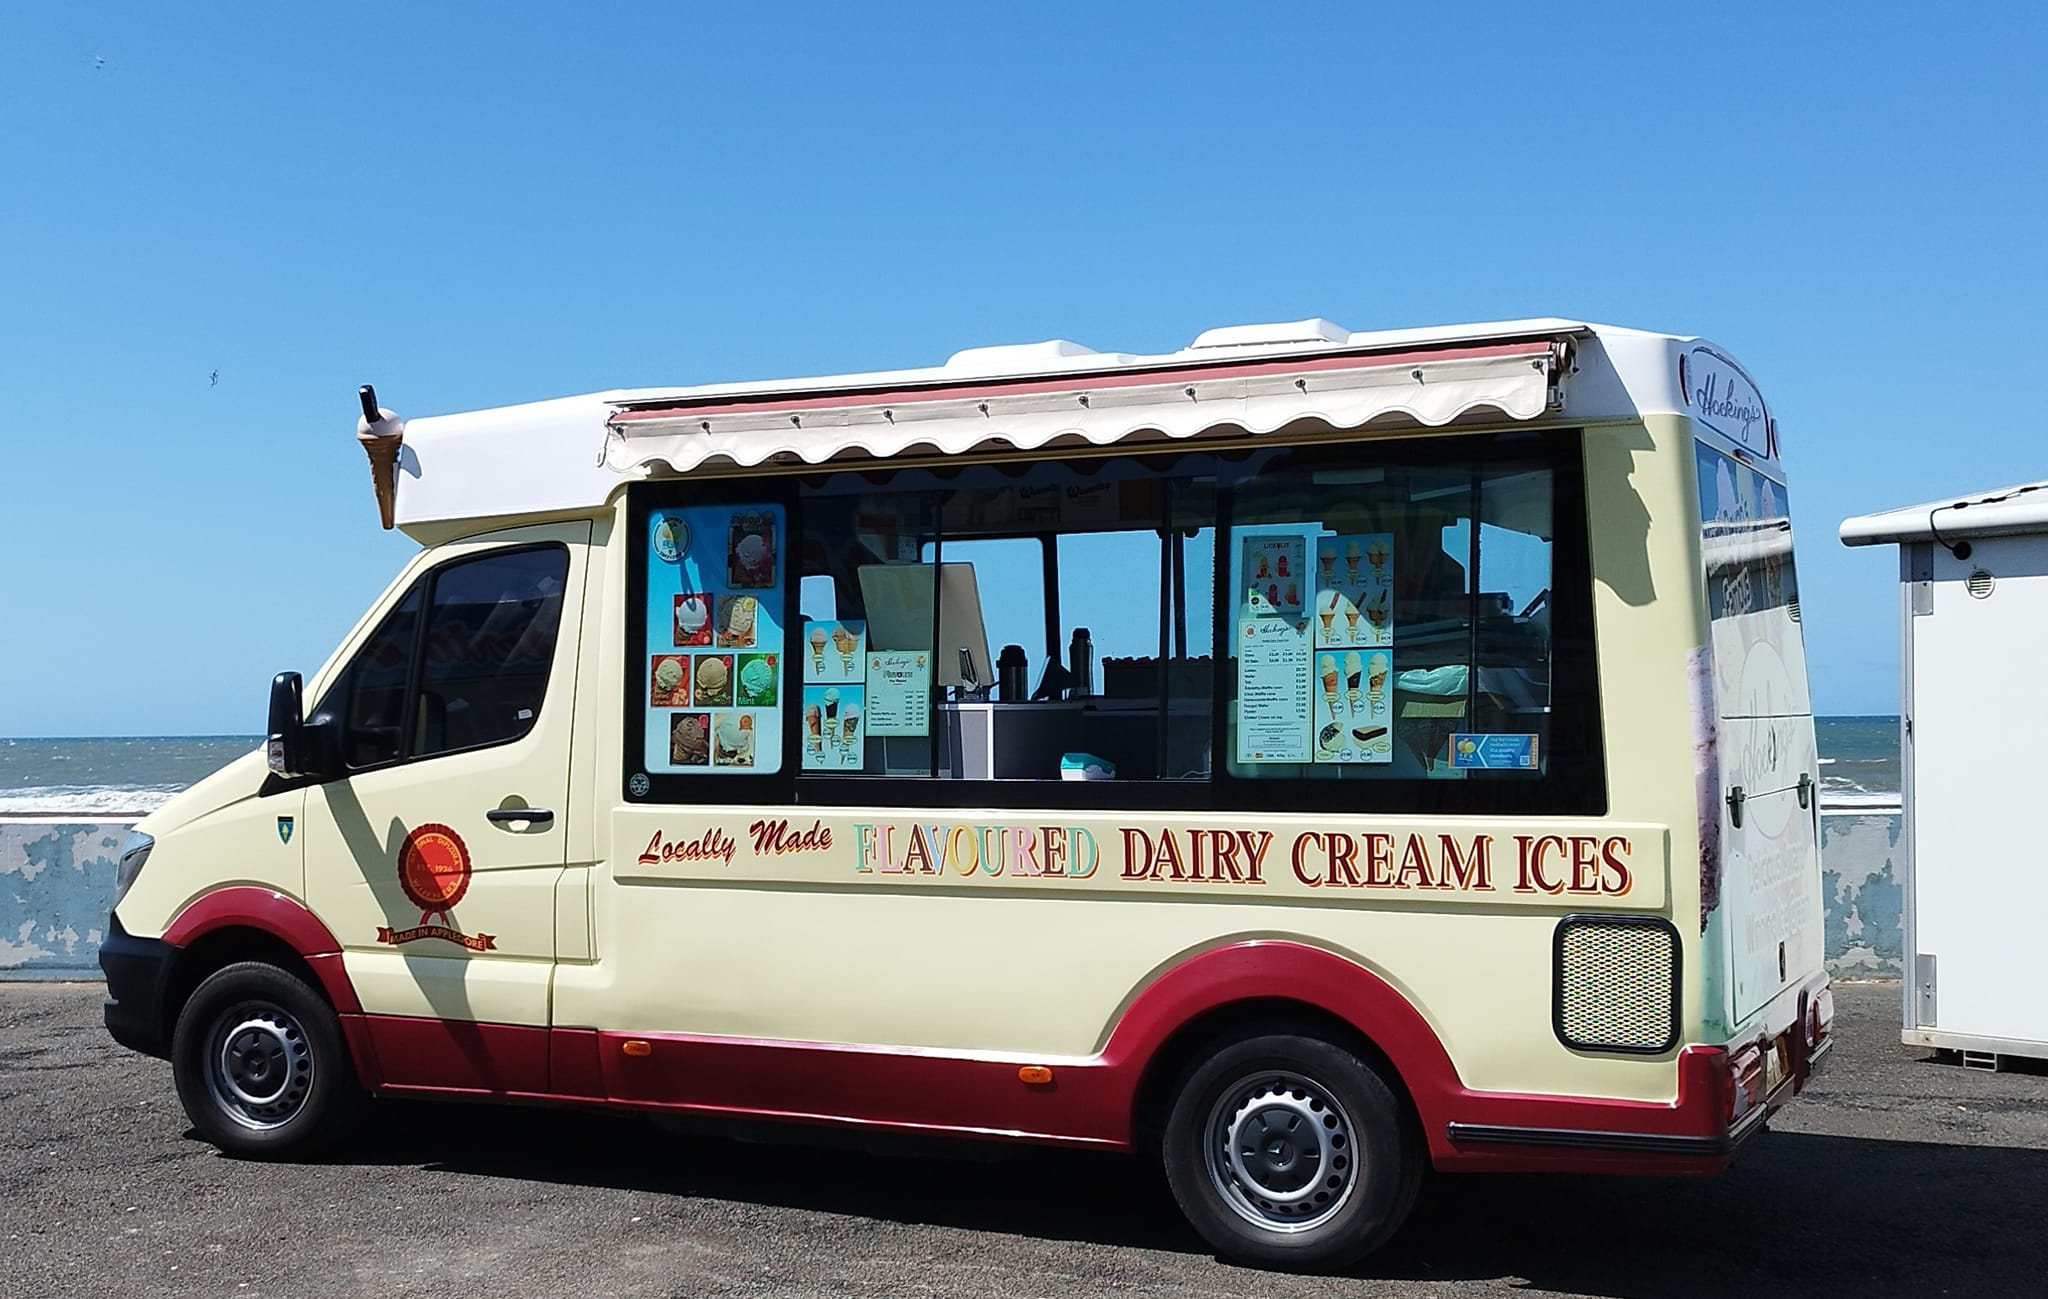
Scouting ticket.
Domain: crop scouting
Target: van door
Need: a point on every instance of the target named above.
(436, 859)
(1765, 896)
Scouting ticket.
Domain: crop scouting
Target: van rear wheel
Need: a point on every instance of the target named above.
(1290, 1152)
(260, 1064)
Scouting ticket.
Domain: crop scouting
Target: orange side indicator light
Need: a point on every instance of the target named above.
(637, 1047)
(1034, 1075)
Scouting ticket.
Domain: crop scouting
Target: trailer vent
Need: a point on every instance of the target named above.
(1979, 584)
(1616, 984)
(1792, 607)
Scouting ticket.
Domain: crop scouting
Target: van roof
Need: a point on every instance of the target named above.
(1242, 380)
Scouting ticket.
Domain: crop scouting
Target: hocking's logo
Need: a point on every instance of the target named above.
(284, 829)
(434, 870)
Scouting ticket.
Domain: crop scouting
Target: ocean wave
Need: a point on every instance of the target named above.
(1842, 800)
(93, 800)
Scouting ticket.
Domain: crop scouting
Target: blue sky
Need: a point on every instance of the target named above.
(473, 211)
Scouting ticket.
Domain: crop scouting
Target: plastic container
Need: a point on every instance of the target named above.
(1086, 766)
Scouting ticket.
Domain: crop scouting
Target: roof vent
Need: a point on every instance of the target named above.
(1016, 358)
(1316, 330)
(1979, 584)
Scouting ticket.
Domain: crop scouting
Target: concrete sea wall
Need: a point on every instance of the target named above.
(56, 887)
(57, 884)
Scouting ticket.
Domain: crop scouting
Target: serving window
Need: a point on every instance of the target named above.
(1371, 625)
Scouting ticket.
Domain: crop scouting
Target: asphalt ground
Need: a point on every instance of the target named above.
(1895, 1174)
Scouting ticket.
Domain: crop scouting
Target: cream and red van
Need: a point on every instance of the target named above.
(1307, 758)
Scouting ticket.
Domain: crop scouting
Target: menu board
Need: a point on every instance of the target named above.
(714, 640)
(899, 692)
(1273, 718)
(1315, 673)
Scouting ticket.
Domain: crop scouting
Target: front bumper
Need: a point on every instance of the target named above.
(137, 971)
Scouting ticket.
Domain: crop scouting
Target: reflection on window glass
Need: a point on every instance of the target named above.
(1417, 644)
(372, 688)
(490, 642)
(1018, 624)
(865, 642)
(480, 674)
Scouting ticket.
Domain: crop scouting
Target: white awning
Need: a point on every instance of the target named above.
(1431, 387)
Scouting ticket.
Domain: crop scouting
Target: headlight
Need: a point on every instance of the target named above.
(133, 854)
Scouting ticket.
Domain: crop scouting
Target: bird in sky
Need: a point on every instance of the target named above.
(213, 380)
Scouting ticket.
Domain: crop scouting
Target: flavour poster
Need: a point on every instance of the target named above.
(715, 684)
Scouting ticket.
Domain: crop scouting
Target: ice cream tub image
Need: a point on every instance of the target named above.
(737, 615)
(671, 676)
(714, 679)
(688, 739)
(757, 680)
(734, 742)
(693, 618)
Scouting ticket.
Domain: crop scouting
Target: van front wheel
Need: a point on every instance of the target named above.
(1290, 1152)
(260, 1064)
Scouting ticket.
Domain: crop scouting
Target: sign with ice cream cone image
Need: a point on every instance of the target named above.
(1354, 716)
(834, 652)
(1354, 597)
(834, 734)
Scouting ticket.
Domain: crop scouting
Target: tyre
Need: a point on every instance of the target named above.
(261, 1066)
(1290, 1152)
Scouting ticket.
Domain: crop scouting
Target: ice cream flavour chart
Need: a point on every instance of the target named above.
(835, 695)
(1315, 648)
(714, 640)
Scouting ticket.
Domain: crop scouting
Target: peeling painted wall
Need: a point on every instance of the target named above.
(1862, 883)
(57, 885)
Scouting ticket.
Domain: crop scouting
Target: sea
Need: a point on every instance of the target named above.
(1859, 766)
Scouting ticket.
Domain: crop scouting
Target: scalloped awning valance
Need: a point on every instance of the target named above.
(1429, 388)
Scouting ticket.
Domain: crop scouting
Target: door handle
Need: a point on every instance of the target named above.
(537, 815)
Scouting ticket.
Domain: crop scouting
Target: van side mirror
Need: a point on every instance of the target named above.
(287, 730)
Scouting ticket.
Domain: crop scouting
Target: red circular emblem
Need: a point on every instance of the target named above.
(433, 869)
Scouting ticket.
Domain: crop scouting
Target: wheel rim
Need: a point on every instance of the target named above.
(1282, 1152)
(259, 1066)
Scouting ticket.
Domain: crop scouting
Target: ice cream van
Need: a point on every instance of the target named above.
(1307, 758)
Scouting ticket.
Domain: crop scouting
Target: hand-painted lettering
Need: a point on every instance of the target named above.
(1585, 864)
(1473, 870)
(1614, 853)
(712, 845)
(773, 838)
(1299, 860)
(1379, 861)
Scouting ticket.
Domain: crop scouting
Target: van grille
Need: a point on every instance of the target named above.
(1617, 984)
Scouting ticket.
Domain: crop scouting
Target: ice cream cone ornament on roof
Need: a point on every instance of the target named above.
(381, 432)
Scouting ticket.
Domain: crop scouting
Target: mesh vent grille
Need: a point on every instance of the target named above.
(1979, 584)
(1617, 983)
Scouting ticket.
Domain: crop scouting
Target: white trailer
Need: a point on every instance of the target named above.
(1973, 717)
